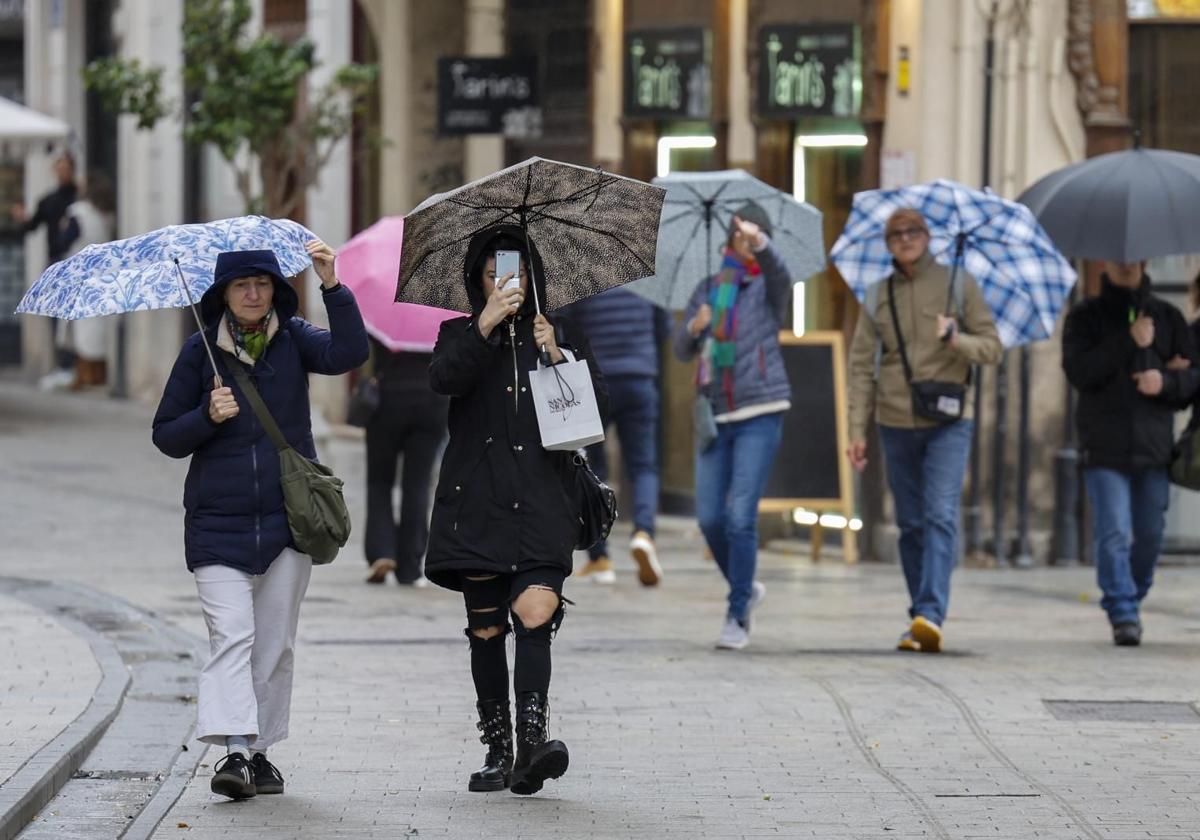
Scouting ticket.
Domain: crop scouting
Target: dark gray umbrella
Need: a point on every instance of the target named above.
(594, 230)
(1124, 206)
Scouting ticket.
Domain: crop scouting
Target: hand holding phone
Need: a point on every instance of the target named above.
(508, 264)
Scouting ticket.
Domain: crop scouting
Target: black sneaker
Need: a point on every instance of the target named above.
(1127, 634)
(267, 777)
(234, 777)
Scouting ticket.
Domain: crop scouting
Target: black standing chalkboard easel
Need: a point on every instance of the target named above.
(811, 471)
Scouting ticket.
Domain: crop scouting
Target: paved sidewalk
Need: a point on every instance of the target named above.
(818, 730)
(47, 677)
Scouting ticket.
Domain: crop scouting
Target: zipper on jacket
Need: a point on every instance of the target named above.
(512, 342)
(257, 505)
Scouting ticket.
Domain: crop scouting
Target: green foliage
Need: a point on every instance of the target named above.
(127, 88)
(246, 95)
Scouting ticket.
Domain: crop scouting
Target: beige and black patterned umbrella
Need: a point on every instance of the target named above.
(594, 231)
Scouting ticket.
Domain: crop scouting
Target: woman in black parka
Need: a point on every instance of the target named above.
(505, 521)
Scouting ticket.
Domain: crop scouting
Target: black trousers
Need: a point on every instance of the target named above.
(410, 424)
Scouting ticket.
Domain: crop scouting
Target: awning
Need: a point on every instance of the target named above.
(21, 128)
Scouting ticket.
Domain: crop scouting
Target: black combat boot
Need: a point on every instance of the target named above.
(495, 722)
(537, 758)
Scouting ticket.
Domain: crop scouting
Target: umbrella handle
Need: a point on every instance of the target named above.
(199, 325)
(959, 245)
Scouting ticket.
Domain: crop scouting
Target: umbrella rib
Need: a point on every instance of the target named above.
(613, 236)
(431, 251)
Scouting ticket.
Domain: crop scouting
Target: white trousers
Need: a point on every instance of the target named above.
(246, 686)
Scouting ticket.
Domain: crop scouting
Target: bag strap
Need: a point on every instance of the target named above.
(260, 408)
(896, 325)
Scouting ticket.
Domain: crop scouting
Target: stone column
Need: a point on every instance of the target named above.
(150, 172)
(608, 32)
(483, 154)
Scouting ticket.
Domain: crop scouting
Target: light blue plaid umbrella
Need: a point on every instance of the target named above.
(1024, 279)
(696, 216)
(143, 272)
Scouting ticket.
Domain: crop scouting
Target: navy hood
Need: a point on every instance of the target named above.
(477, 251)
(232, 265)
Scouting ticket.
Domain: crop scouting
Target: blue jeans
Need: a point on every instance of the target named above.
(633, 406)
(1128, 516)
(730, 478)
(925, 470)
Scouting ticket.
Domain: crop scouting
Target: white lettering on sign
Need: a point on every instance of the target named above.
(491, 86)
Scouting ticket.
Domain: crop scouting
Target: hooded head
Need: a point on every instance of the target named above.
(232, 265)
(748, 212)
(502, 238)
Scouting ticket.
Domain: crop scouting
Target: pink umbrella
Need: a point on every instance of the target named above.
(370, 264)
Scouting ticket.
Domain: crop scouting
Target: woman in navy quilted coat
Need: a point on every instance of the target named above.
(249, 575)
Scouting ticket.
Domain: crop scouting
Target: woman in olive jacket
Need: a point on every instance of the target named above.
(505, 520)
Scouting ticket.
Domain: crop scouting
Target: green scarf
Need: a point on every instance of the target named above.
(251, 338)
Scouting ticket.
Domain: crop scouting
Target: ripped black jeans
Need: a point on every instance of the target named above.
(489, 601)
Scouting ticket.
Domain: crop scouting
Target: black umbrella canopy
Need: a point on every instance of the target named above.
(594, 231)
(1125, 206)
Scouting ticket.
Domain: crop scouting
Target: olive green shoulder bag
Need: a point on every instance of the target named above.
(312, 494)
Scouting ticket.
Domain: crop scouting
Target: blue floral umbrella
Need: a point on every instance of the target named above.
(1024, 279)
(144, 272)
(167, 268)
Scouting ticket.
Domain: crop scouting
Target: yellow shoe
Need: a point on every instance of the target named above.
(926, 634)
(645, 555)
(380, 569)
(908, 643)
(599, 570)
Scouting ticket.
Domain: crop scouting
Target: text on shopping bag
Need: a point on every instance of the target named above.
(567, 412)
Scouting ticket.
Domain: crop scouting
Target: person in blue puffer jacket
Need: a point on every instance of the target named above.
(237, 542)
(732, 325)
(626, 332)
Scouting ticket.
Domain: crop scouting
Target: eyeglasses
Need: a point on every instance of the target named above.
(906, 234)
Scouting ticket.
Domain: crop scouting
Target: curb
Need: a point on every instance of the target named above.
(37, 781)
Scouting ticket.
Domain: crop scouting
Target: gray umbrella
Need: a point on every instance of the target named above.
(1124, 206)
(696, 217)
(594, 230)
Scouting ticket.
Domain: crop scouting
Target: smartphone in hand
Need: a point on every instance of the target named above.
(508, 262)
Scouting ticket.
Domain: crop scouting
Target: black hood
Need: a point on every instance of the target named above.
(478, 248)
(232, 265)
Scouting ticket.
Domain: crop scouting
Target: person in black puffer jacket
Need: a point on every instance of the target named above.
(249, 576)
(505, 521)
(1132, 358)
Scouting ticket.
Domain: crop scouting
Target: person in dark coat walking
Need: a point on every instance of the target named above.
(410, 421)
(1130, 355)
(249, 575)
(50, 213)
(505, 520)
(626, 333)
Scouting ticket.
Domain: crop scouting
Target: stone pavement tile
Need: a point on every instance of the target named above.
(47, 678)
(668, 737)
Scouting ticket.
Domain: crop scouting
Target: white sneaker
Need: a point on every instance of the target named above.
(599, 571)
(757, 593)
(646, 556)
(733, 636)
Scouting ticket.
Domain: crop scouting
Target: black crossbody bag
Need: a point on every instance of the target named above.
(941, 402)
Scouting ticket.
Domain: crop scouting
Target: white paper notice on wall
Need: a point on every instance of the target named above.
(898, 168)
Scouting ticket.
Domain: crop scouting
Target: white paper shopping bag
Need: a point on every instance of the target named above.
(567, 412)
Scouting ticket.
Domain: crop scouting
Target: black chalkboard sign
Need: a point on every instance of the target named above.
(811, 470)
(807, 70)
(667, 73)
(488, 96)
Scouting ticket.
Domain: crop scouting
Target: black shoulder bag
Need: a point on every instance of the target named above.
(942, 402)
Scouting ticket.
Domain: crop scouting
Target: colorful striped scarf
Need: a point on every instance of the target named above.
(720, 354)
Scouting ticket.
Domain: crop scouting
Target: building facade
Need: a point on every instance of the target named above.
(822, 98)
